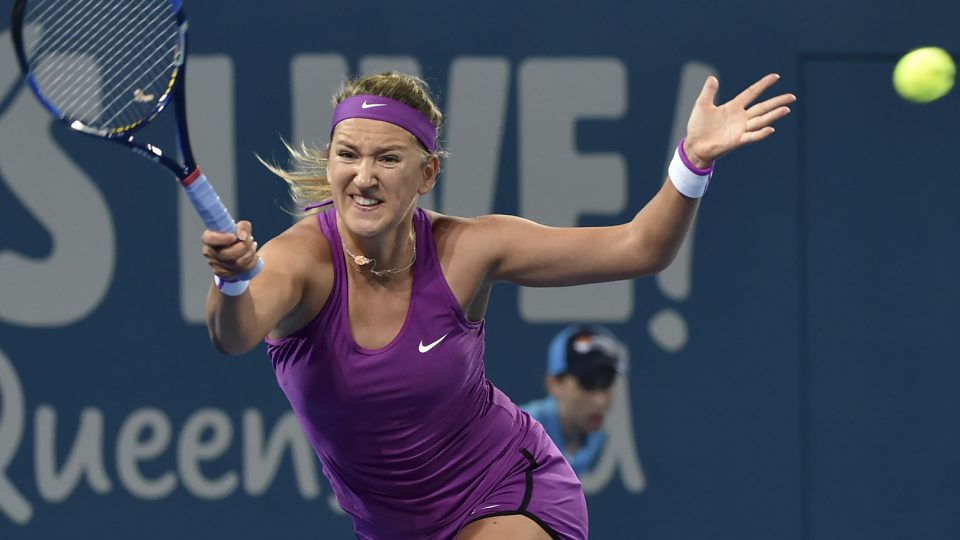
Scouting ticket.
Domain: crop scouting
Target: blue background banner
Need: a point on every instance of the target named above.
(791, 374)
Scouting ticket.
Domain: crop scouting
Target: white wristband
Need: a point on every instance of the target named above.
(231, 288)
(687, 178)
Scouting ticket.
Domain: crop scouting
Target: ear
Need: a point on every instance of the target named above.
(430, 171)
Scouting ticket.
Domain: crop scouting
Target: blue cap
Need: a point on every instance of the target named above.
(584, 349)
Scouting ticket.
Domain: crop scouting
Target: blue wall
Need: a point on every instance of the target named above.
(791, 374)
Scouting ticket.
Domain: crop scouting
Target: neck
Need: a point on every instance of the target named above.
(385, 258)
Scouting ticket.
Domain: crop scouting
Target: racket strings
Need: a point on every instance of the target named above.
(111, 53)
(107, 63)
(62, 75)
(120, 72)
(65, 35)
(64, 25)
(127, 78)
(80, 32)
(137, 92)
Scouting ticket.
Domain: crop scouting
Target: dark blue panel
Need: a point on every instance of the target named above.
(880, 191)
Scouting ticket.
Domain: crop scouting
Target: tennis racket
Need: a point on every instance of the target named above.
(107, 68)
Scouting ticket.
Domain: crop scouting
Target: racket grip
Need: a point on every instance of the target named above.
(214, 214)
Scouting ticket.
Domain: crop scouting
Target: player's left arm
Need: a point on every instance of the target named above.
(526, 253)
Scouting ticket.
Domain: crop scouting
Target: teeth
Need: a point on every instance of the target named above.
(363, 201)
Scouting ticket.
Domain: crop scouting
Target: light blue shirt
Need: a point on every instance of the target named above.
(545, 411)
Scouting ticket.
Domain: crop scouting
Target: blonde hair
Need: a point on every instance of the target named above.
(307, 176)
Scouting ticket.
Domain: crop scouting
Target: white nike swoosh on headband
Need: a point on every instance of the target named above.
(366, 105)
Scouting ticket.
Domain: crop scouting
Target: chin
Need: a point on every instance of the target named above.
(361, 224)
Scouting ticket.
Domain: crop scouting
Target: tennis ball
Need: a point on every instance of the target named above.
(924, 74)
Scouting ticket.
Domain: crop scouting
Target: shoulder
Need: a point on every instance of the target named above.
(297, 253)
(302, 241)
(301, 261)
(463, 245)
(486, 221)
(487, 227)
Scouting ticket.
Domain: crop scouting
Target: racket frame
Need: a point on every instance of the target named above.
(125, 134)
(199, 191)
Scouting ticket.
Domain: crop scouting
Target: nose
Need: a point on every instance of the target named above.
(365, 176)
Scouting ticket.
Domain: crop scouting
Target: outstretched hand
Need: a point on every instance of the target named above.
(714, 130)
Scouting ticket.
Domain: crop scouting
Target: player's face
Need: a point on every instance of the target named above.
(376, 170)
(584, 409)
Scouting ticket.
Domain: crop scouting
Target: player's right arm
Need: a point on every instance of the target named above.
(238, 323)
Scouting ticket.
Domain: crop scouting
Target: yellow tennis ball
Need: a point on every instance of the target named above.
(924, 74)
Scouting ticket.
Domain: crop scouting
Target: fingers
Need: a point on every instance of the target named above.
(218, 239)
(764, 107)
(751, 137)
(232, 260)
(754, 90)
(247, 259)
(229, 254)
(753, 124)
(766, 113)
(761, 115)
(244, 230)
(709, 91)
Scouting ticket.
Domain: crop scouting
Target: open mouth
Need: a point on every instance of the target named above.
(365, 202)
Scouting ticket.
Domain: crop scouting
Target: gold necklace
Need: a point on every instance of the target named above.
(361, 261)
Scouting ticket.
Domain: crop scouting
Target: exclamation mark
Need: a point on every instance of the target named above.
(667, 327)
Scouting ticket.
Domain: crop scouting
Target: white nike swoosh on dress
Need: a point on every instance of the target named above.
(366, 105)
(425, 348)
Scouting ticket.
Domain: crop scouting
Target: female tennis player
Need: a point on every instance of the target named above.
(372, 310)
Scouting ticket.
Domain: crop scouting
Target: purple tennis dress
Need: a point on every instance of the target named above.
(415, 441)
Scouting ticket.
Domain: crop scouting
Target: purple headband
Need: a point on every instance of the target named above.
(387, 110)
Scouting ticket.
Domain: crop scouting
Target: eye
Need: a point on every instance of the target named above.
(345, 154)
(390, 159)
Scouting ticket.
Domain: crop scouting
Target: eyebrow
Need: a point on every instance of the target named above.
(380, 150)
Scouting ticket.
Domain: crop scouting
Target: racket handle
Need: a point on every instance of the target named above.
(214, 214)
